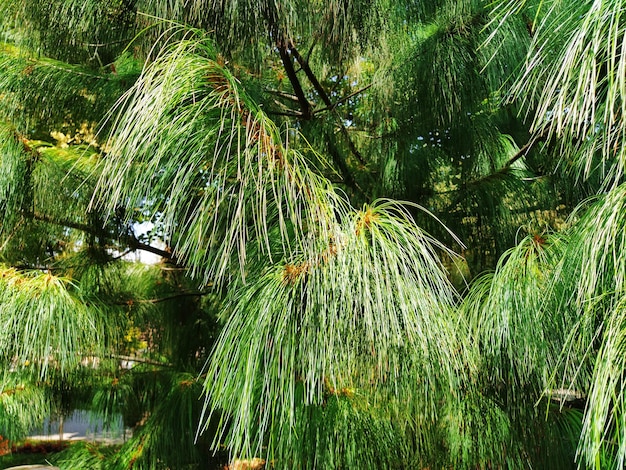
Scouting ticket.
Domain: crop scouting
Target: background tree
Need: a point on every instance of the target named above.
(266, 144)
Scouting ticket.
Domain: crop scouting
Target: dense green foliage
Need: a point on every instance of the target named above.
(386, 234)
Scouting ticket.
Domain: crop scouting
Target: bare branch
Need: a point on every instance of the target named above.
(525, 149)
(343, 100)
(324, 96)
(166, 298)
(282, 94)
(305, 106)
(140, 360)
(130, 240)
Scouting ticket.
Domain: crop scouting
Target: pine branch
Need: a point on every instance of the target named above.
(63, 223)
(311, 76)
(12, 234)
(166, 298)
(507, 166)
(307, 110)
(523, 151)
(343, 100)
(141, 360)
(282, 94)
(305, 106)
(134, 243)
(348, 179)
(130, 240)
(324, 96)
(286, 110)
(294, 114)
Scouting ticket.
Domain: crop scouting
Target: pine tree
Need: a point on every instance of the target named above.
(390, 232)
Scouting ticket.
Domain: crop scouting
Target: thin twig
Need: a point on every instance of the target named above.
(141, 360)
(295, 114)
(342, 100)
(163, 299)
(282, 94)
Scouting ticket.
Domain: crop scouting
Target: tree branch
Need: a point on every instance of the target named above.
(130, 240)
(286, 109)
(342, 100)
(164, 299)
(294, 114)
(348, 179)
(311, 76)
(324, 96)
(141, 360)
(305, 106)
(523, 151)
(137, 245)
(282, 94)
(62, 223)
(287, 50)
(507, 166)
